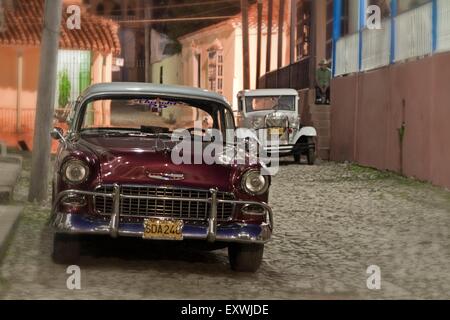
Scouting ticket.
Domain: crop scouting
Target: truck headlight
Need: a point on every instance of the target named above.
(254, 183)
(75, 172)
(294, 123)
(258, 123)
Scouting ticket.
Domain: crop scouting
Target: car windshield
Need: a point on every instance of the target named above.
(149, 115)
(286, 103)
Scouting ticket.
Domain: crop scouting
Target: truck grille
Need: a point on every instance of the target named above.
(143, 208)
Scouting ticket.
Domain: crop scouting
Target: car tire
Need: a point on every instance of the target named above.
(66, 248)
(311, 155)
(297, 157)
(245, 257)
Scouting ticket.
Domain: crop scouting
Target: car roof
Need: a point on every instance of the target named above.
(153, 89)
(268, 92)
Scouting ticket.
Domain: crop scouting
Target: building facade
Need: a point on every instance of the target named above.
(390, 88)
(85, 57)
(213, 56)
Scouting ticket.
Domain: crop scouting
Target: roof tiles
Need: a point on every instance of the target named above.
(23, 27)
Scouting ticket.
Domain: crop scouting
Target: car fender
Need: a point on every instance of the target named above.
(305, 131)
(242, 133)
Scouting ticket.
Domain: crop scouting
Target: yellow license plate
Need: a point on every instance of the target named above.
(163, 229)
(276, 131)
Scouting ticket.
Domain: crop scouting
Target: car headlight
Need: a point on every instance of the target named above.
(258, 123)
(75, 172)
(254, 183)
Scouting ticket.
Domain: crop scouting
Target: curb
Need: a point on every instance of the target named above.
(9, 216)
(10, 171)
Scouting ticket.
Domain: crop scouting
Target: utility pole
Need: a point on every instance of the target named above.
(280, 34)
(258, 45)
(313, 46)
(45, 100)
(148, 41)
(269, 36)
(245, 43)
(123, 39)
(292, 36)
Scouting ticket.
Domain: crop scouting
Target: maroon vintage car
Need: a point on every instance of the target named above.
(115, 174)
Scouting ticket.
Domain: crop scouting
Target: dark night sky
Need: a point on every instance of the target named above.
(209, 8)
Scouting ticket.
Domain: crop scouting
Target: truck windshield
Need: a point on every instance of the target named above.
(286, 103)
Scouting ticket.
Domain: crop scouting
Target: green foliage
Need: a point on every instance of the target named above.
(64, 89)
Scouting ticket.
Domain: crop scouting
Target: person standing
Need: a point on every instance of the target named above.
(323, 79)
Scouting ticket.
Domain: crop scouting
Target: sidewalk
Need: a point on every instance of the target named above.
(10, 168)
(9, 215)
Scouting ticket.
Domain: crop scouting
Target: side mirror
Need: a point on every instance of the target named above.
(57, 134)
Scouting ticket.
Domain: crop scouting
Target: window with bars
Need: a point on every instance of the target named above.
(74, 75)
(215, 70)
(303, 28)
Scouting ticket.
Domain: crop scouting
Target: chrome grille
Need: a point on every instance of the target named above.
(277, 120)
(142, 208)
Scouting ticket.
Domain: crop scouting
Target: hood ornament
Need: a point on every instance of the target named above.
(165, 176)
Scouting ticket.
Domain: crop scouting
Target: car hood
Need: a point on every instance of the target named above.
(144, 160)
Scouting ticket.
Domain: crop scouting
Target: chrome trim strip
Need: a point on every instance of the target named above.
(212, 220)
(115, 216)
(166, 176)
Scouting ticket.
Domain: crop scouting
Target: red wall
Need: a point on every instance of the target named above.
(343, 118)
(369, 108)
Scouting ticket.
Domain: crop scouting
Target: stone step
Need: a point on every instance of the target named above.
(320, 116)
(323, 131)
(323, 153)
(322, 124)
(324, 142)
(9, 215)
(10, 169)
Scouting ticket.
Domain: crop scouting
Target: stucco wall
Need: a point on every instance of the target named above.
(369, 108)
(199, 43)
(101, 72)
(172, 70)
(8, 76)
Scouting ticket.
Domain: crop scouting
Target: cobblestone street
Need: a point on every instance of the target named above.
(332, 221)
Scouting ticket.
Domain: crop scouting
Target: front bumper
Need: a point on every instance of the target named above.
(280, 149)
(210, 231)
(288, 149)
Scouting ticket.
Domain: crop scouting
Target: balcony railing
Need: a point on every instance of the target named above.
(443, 26)
(416, 33)
(376, 46)
(347, 60)
(294, 76)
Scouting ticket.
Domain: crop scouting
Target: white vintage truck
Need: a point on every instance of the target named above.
(275, 112)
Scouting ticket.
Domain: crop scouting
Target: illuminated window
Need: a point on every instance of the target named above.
(215, 69)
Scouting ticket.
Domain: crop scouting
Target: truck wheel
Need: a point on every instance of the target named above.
(297, 157)
(66, 248)
(311, 152)
(245, 257)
